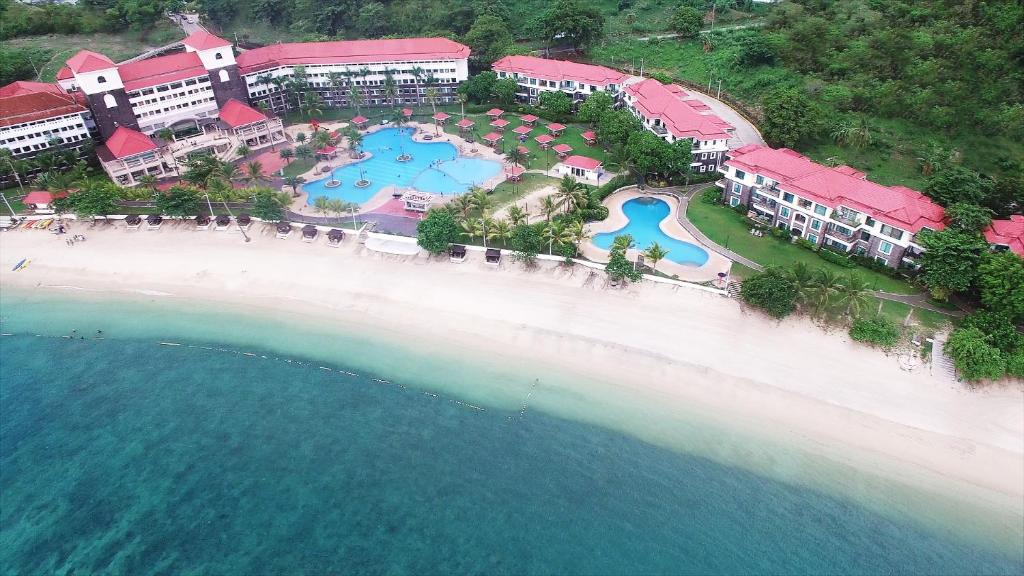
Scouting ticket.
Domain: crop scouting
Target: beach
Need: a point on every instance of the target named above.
(662, 348)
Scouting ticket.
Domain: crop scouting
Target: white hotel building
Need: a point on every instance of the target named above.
(35, 117)
(535, 76)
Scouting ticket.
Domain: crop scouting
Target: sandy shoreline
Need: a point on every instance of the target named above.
(668, 345)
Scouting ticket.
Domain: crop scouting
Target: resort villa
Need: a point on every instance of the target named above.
(336, 70)
(581, 168)
(1007, 234)
(669, 112)
(837, 208)
(537, 75)
(35, 117)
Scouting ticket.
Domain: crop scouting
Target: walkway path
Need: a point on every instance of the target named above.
(942, 367)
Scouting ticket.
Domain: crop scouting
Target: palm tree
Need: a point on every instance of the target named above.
(462, 102)
(479, 198)
(355, 139)
(303, 151)
(856, 134)
(803, 281)
(355, 98)
(577, 234)
(321, 138)
(253, 172)
(294, 182)
(516, 157)
(432, 96)
(655, 253)
(313, 104)
(853, 296)
(623, 242)
(516, 215)
(242, 151)
(826, 287)
(322, 204)
(569, 192)
(335, 80)
(500, 230)
(149, 181)
(417, 75)
(463, 205)
(473, 227)
(390, 86)
(286, 155)
(279, 84)
(548, 205)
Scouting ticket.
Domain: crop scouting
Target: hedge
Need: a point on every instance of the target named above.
(876, 330)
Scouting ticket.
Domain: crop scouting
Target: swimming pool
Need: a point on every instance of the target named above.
(645, 214)
(435, 167)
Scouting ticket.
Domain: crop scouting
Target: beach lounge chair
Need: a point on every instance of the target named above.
(309, 233)
(493, 256)
(335, 236)
(457, 253)
(284, 229)
(133, 221)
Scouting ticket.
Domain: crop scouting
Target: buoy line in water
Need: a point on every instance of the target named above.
(74, 335)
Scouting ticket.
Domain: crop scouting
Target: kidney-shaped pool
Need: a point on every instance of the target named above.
(645, 215)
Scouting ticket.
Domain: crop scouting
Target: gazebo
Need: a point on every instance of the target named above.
(589, 137)
(555, 128)
(529, 119)
(407, 112)
(544, 140)
(309, 233)
(326, 153)
(500, 124)
(561, 149)
(523, 150)
(514, 173)
(522, 130)
(465, 124)
(495, 112)
(360, 122)
(492, 138)
(441, 118)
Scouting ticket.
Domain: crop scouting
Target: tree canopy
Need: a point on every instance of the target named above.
(789, 117)
(489, 39)
(574, 23)
(437, 231)
(772, 291)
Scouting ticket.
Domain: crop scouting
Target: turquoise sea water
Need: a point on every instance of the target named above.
(435, 167)
(645, 214)
(121, 455)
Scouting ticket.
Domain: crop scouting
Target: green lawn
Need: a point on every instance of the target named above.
(299, 166)
(59, 47)
(897, 312)
(505, 193)
(727, 228)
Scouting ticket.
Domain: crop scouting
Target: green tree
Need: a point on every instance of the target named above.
(287, 154)
(557, 103)
(505, 92)
(526, 243)
(571, 193)
(998, 327)
(953, 184)
(771, 291)
(686, 21)
(179, 201)
(437, 231)
(479, 88)
(950, 261)
(655, 253)
(614, 128)
(595, 106)
(876, 330)
(969, 217)
(619, 268)
(789, 117)
(372, 20)
(974, 356)
(489, 39)
(572, 22)
(1001, 283)
(757, 49)
(93, 199)
(268, 206)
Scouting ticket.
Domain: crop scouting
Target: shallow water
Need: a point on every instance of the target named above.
(123, 455)
(435, 167)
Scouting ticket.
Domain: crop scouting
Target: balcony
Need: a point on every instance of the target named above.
(837, 233)
(845, 218)
(659, 129)
(772, 191)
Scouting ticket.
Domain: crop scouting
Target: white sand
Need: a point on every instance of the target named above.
(681, 347)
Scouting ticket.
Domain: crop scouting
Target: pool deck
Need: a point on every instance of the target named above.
(670, 225)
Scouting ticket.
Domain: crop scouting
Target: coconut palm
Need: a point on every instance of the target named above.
(300, 137)
(479, 198)
(803, 281)
(312, 104)
(356, 98)
(500, 230)
(569, 193)
(516, 215)
(462, 206)
(303, 151)
(390, 86)
(432, 96)
(655, 253)
(826, 287)
(473, 227)
(417, 75)
(853, 296)
(623, 242)
(294, 182)
(578, 234)
(321, 138)
(335, 80)
(355, 139)
(322, 204)
(253, 172)
(548, 205)
(287, 154)
(555, 232)
(242, 151)
(149, 181)
(516, 157)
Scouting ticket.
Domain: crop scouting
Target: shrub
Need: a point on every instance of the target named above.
(619, 268)
(603, 191)
(437, 231)
(780, 234)
(526, 242)
(836, 258)
(875, 330)
(711, 196)
(771, 291)
(1015, 363)
(974, 357)
(805, 243)
(594, 214)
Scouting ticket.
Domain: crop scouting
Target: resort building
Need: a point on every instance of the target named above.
(537, 75)
(128, 155)
(669, 112)
(1007, 234)
(250, 126)
(836, 208)
(37, 117)
(581, 167)
(375, 72)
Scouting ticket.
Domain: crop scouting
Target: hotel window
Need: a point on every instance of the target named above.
(813, 238)
(870, 222)
(820, 210)
(734, 201)
(891, 232)
(736, 187)
(740, 174)
(885, 248)
(759, 179)
(815, 224)
(787, 197)
(784, 212)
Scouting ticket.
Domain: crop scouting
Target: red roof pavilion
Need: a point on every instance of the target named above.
(235, 114)
(562, 149)
(500, 123)
(522, 130)
(465, 123)
(544, 139)
(358, 120)
(529, 118)
(495, 112)
(407, 112)
(523, 149)
(492, 137)
(589, 137)
(582, 162)
(441, 116)
(555, 127)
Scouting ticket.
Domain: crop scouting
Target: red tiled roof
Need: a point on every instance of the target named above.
(523, 149)
(235, 114)
(327, 150)
(22, 87)
(161, 70)
(350, 52)
(555, 127)
(65, 73)
(582, 162)
(41, 197)
(1008, 233)
(894, 205)
(203, 40)
(562, 148)
(495, 112)
(500, 123)
(514, 170)
(529, 118)
(655, 100)
(125, 142)
(407, 112)
(524, 130)
(88, 61)
(359, 120)
(492, 136)
(441, 116)
(36, 106)
(589, 135)
(544, 138)
(559, 70)
(465, 123)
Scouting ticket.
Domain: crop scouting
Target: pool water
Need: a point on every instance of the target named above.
(645, 214)
(435, 167)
